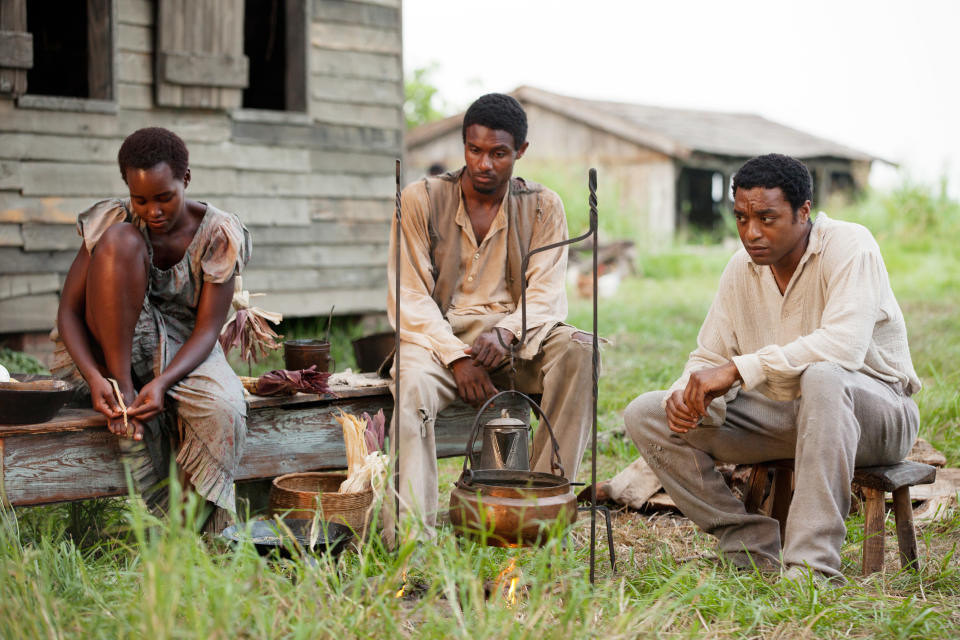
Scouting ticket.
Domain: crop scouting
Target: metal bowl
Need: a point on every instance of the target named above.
(372, 350)
(33, 399)
(268, 537)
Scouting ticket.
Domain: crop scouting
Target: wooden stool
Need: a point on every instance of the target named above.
(874, 481)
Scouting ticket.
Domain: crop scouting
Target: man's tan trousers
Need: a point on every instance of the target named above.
(561, 371)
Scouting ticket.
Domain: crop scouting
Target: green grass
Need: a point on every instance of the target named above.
(116, 572)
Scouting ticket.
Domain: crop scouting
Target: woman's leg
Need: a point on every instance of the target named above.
(117, 280)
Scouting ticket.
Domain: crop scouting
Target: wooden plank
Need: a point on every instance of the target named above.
(353, 209)
(349, 37)
(324, 232)
(352, 162)
(342, 256)
(296, 70)
(135, 96)
(254, 211)
(203, 69)
(13, 18)
(356, 90)
(195, 126)
(100, 68)
(50, 237)
(28, 284)
(316, 303)
(43, 466)
(355, 64)
(137, 12)
(360, 115)
(276, 280)
(16, 208)
(874, 516)
(134, 67)
(19, 120)
(14, 260)
(16, 49)
(906, 535)
(28, 313)
(134, 38)
(321, 136)
(60, 148)
(892, 477)
(63, 179)
(359, 13)
(10, 235)
(10, 177)
(252, 157)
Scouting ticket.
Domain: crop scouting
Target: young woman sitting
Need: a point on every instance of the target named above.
(140, 313)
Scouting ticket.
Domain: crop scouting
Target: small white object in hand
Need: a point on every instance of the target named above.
(4, 374)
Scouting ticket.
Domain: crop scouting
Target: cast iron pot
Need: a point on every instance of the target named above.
(268, 537)
(34, 399)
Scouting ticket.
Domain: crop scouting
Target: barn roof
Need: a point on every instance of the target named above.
(675, 132)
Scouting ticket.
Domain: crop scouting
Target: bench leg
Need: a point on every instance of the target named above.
(874, 516)
(782, 495)
(906, 536)
(755, 488)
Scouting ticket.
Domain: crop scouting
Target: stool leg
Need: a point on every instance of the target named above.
(874, 516)
(906, 536)
(755, 488)
(782, 495)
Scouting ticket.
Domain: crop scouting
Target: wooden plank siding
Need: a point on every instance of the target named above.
(315, 188)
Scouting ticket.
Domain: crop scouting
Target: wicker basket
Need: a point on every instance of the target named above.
(295, 496)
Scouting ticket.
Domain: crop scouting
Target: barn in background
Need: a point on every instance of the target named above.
(671, 167)
(292, 110)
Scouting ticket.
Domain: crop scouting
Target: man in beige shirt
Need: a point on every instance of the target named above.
(802, 355)
(465, 234)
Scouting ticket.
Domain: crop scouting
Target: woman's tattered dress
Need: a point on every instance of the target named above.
(205, 412)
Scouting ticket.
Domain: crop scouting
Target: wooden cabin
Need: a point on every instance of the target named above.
(672, 167)
(291, 109)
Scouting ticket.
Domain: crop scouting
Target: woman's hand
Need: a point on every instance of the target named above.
(149, 401)
(103, 397)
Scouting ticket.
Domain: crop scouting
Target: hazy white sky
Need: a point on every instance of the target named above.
(882, 75)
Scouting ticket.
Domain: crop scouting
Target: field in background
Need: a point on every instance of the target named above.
(133, 576)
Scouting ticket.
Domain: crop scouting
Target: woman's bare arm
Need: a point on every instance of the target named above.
(215, 299)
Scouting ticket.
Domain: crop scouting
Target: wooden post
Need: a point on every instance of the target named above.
(3, 490)
(906, 536)
(874, 516)
(782, 495)
(755, 488)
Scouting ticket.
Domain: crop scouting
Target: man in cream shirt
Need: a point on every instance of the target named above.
(802, 355)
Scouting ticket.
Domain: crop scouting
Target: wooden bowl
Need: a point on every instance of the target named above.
(34, 398)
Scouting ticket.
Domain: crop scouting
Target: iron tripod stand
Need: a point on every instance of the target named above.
(514, 347)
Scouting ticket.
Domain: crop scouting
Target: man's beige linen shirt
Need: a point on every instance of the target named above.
(838, 307)
(481, 288)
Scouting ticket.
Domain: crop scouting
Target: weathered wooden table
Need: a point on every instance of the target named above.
(74, 457)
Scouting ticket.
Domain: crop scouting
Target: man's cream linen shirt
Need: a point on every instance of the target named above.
(838, 307)
(481, 286)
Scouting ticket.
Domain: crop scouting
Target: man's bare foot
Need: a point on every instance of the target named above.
(603, 493)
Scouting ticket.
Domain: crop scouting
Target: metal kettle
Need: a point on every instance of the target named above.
(505, 444)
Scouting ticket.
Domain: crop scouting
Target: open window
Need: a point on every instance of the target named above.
(225, 54)
(700, 198)
(275, 43)
(55, 51)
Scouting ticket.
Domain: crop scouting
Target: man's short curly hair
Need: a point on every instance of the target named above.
(776, 170)
(498, 111)
(148, 147)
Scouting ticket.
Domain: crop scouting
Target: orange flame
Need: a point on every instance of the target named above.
(403, 588)
(512, 593)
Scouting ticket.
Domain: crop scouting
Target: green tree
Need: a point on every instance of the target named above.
(422, 104)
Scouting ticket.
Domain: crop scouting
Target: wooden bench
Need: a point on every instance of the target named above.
(74, 457)
(875, 482)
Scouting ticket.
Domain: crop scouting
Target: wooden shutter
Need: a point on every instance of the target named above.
(200, 61)
(16, 47)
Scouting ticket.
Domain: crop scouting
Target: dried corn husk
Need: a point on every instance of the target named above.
(365, 469)
(249, 329)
